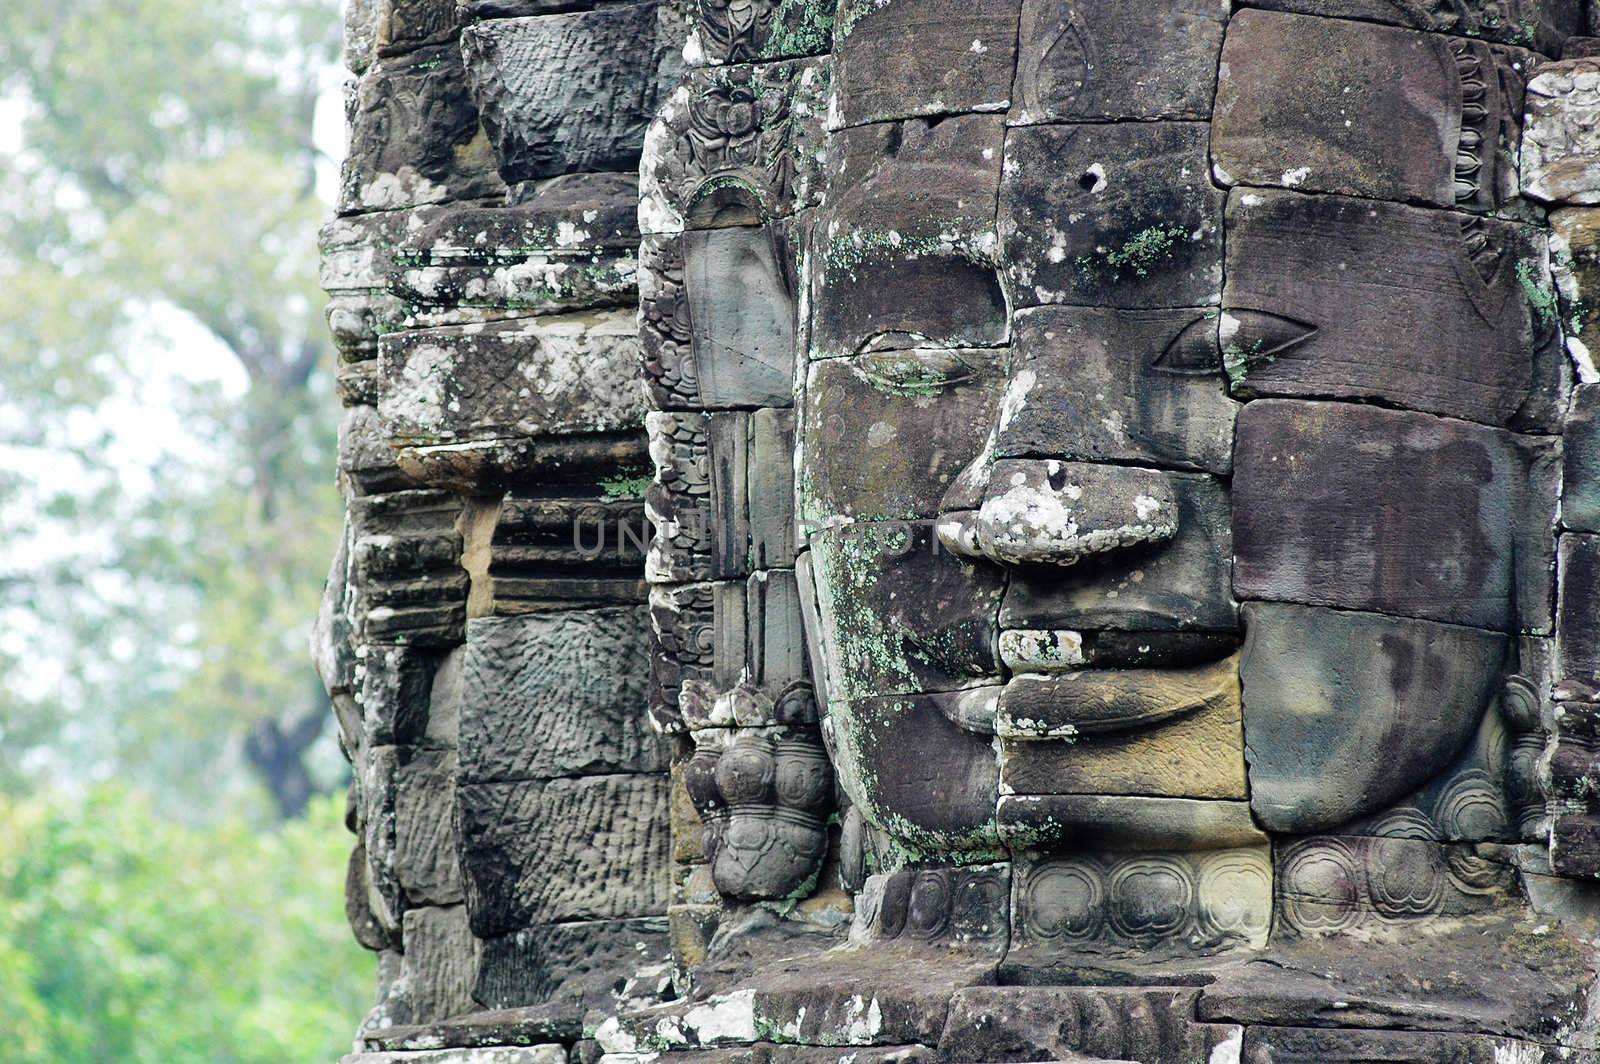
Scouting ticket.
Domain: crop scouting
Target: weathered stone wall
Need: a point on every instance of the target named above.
(484, 633)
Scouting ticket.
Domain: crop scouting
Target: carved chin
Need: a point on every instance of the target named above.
(1346, 713)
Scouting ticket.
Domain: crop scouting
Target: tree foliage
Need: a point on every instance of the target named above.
(125, 937)
(160, 208)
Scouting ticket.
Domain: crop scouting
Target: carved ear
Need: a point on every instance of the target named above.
(1520, 704)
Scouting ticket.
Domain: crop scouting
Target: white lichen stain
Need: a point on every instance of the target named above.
(730, 1018)
(1230, 1050)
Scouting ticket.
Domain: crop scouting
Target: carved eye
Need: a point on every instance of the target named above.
(1253, 337)
(915, 373)
(1193, 352)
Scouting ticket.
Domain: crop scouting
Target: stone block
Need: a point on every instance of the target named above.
(1539, 24)
(1474, 798)
(1073, 704)
(573, 246)
(569, 92)
(741, 306)
(414, 136)
(964, 909)
(905, 58)
(770, 489)
(557, 694)
(1075, 908)
(333, 651)
(539, 851)
(487, 1029)
(783, 1053)
(1347, 713)
(906, 251)
(364, 923)
(409, 586)
(1119, 215)
(1326, 298)
(560, 375)
(571, 966)
(1097, 384)
(1091, 61)
(441, 957)
(425, 858)
(1180, 584)
(1125, 822)
(729, 654)
(1355, 507)
(1060, 1023)
(723, 499)
(379, 778)
(403, 25)
(360, 34)
(356, 266)
(886, 433)
(1198, 752)
(1501, 975)
(1580, 454)
(1300, 1045)
(561, 547)
(1578, 621)
(366, 461)
(894, 996)
(1579, 229)
(1328, 105)
(396, 692)
(1559, 142)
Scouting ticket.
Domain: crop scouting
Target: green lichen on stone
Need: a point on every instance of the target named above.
(845, 254)
(1236, 362)
(800, 27)
(1139, 254)
(1541, 299)
(626, 487)
(854, 11)
(904, 374)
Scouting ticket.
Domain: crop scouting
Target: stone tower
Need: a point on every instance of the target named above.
(899, 530)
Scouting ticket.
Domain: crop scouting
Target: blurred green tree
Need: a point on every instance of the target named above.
(127, 937)
(166, 545)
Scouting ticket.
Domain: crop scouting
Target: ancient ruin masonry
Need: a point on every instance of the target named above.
(905, 530)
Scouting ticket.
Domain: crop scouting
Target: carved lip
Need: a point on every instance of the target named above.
(1028, 651)
(1067, 705)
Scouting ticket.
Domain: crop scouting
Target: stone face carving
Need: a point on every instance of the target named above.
(1122, 556)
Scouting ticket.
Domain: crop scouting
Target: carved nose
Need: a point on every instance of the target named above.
(1045, 512)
